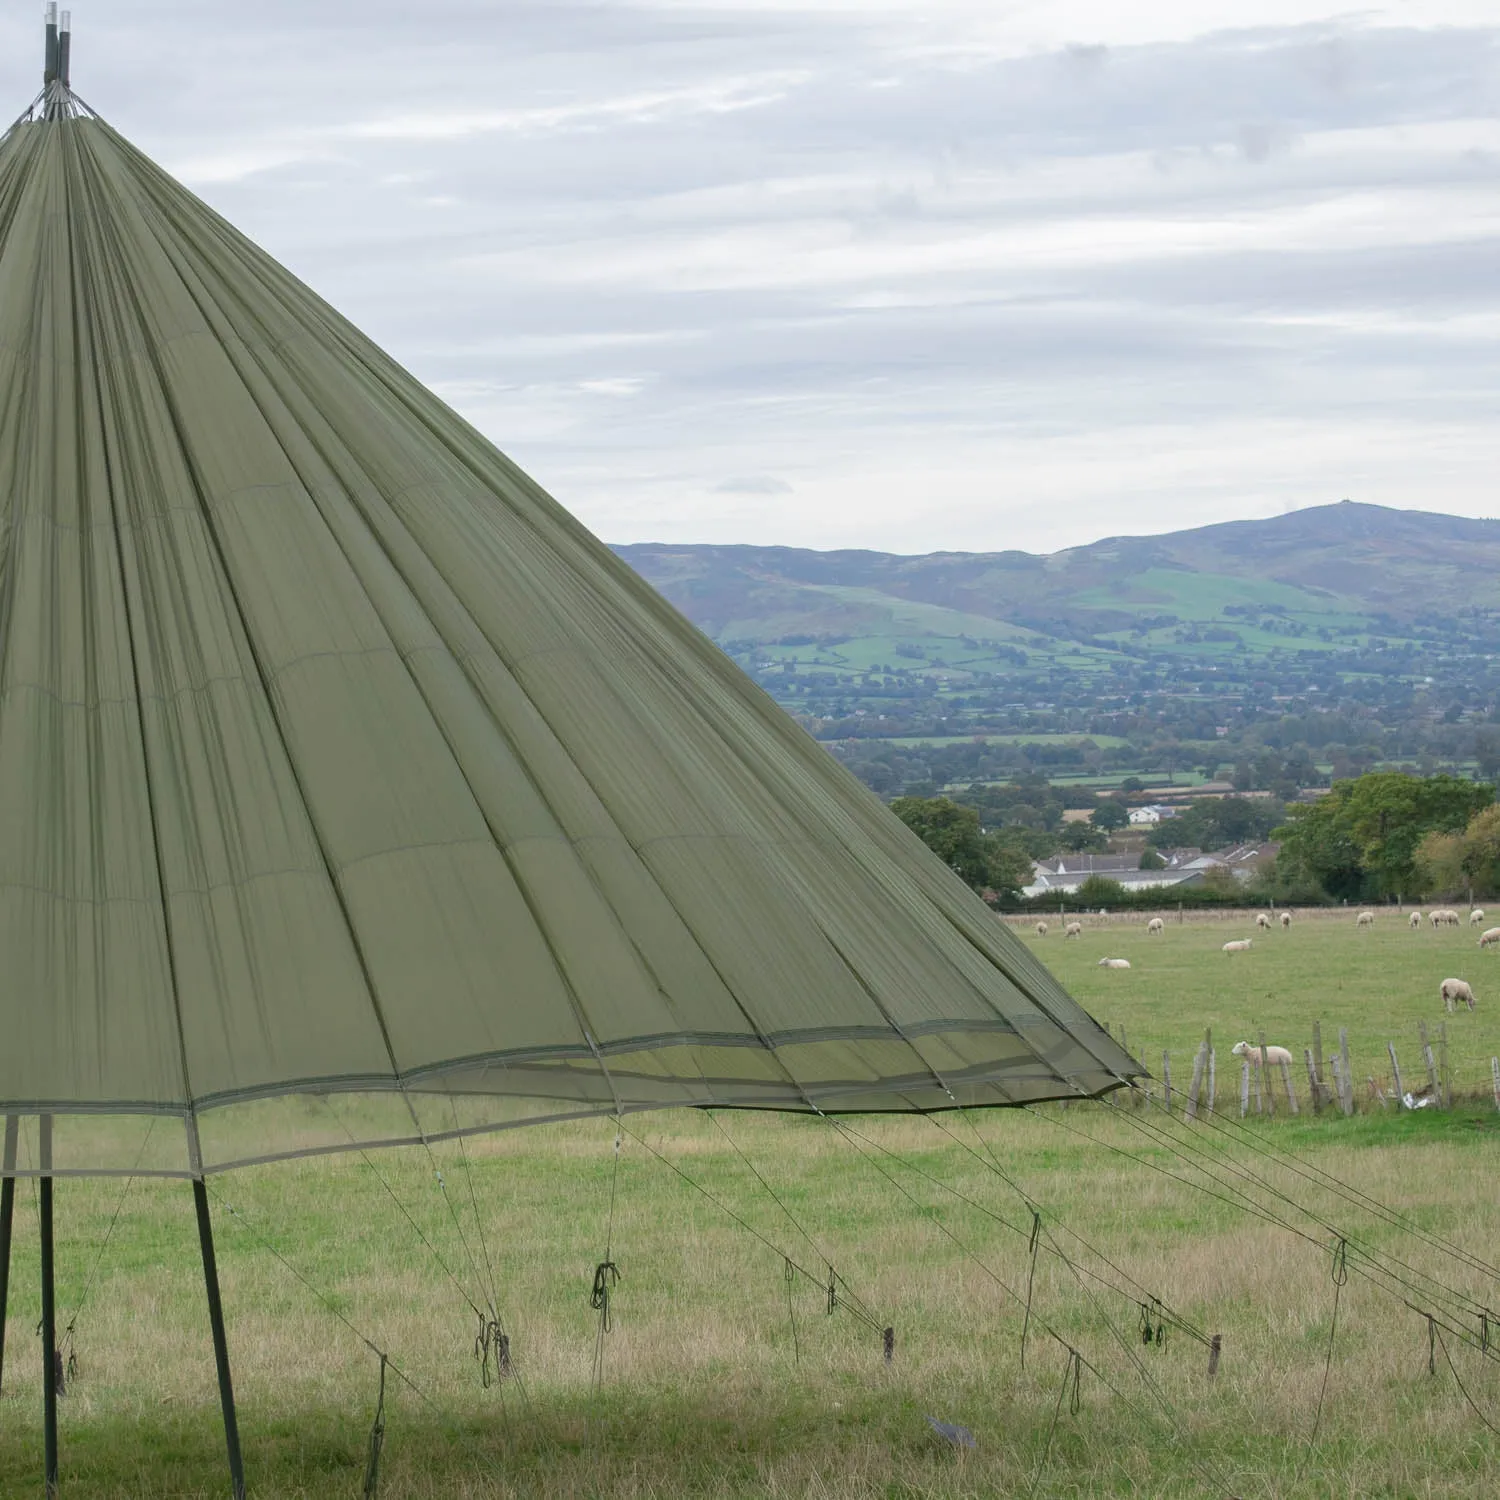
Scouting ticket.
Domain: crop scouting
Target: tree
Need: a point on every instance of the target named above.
(1110, 815)
(1076, 837)
(1362, 838)
(951, 832)
(1151, 860)
(996, 861)
(1439, 864)
(1487, 753)
(1481, 849)
(1011, 863)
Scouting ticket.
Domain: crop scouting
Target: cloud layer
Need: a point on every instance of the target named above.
(850, 276)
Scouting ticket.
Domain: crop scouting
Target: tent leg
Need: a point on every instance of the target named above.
(49, 1343)
(7, 1220)
(221, 1344)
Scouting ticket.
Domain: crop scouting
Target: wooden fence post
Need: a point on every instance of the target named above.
(1317, 1049)
(1213, 1091)
(1314, 1092)
(1215, 1344)
(1348, 1071)
(1263, 1085)
(1395, 1070)
(1199, 1059)
(1291, 1097)
(1244, 1088)
(1432, 1077)
(1342, 1087)
(1445, 1079)
(1495, 1078)
(1166, 1079)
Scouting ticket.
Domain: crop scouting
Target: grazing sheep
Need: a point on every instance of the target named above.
(1273, 1055)
(1365, 919)
(1286, 920)
(1450, 917)
(1454, 990)
(1490, 935)
(1240, 945)
(1041, 929)
(1263, 921)
(1073, 929)
(1114, 963)
(1476, 916)
(1436, 918)
(1155, 927)
(1415, 920)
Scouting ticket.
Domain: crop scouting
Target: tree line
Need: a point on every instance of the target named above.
(1386, 835)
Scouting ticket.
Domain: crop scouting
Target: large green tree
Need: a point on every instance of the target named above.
(986, 861)
(1110, 815)
(1361, 839)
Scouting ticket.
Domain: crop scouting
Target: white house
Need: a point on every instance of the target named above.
(1152, 814)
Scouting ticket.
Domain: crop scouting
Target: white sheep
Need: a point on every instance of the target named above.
(1435, 917)
(1041, 929)
(1454, 990)
(1155, 927)
(1490, 935)
(1073, 929)
(1273, 1055)
(1365, 919)
(1240, 945)
(1263, 921)
(1286, 920)
(1114, 963)
(1415, 920)
(1476, 916)
(1450, 917)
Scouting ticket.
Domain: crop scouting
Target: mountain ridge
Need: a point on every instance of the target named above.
(1383, 616)
(1373, 560)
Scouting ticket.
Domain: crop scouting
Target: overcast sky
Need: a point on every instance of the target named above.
(959, 274)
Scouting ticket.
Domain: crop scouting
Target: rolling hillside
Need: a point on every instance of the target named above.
(1387, 617)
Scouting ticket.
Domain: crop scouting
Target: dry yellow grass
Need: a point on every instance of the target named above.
(702, 1393)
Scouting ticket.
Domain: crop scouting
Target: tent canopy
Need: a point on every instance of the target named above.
(338, 761)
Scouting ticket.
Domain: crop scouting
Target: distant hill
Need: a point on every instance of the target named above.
(1330, 564)
(1377, 631)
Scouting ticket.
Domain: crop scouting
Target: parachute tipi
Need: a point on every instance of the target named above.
(337, 758)
(338, 761)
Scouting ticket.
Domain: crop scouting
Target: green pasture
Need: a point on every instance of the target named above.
(722, 1377)
(1377, 983)
(1202, 596)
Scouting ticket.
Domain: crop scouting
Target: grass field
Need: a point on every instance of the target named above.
(1377, 983)
(721, 1378)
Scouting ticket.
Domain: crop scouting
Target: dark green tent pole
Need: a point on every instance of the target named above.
(7, 1219)
(49, 67)
(221, 1344)
(65, 48)
(49, 1316)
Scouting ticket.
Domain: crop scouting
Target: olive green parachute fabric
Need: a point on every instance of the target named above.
(338, 762)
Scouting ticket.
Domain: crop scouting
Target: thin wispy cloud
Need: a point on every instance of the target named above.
(866, 274)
